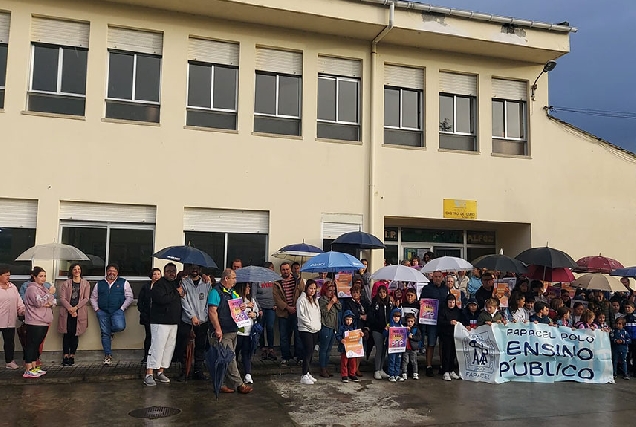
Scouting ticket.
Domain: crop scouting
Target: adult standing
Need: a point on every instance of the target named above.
(236, 264)
(330, 306)
(111, 296)
(264, 293)
(286, 293)
(309, 325)
(474, 283)
(164, 321)
(225, 329)
(366, 280)
(73, 313)
(11, 306)
(144, 302)
(38, 317)
(438, 290)
(194, 317)
(485, 292)
(379, 317)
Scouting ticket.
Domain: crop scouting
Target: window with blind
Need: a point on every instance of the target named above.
(458, 112)
(134, 75)
(278, 95)
(403, 95)
(59, 54)
(509, 117)
(212, 83)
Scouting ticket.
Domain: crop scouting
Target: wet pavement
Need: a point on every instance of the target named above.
(280, 400)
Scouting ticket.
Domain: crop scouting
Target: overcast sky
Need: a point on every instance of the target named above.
(599, 72)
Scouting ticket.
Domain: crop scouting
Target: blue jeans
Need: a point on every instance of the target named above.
(326, 338)
(108, 324)
(395, 364)
(269, 316)
(619, 358)
(288, 326)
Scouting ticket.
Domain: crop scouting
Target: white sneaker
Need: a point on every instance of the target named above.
(306, 380)
(400, 378)
(392, 379)
(377, 375)
(416, 376)
(384, 374)
(312, 378)
(248, 379)
(446, 376)
(454, 376)
(404, 376)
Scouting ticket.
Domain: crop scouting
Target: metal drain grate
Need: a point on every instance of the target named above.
(154, 412)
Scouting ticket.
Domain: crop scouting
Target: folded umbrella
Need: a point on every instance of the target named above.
(447, 263)
(254, 274)
(255, 337)
(218, 357)
(359, 240)
(186, 255)
(332, 262)
(399, 273)
(546, 257)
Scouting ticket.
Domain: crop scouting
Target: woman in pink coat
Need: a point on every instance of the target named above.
(11, 307)
(73, 320)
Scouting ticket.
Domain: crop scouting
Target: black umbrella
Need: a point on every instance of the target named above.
(218, 357)
(546, 257)
(359, 240)
(499, 262)
(255, 335)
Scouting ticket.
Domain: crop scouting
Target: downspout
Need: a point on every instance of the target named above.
(374, 106)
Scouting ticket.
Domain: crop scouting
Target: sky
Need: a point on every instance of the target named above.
(598, 73)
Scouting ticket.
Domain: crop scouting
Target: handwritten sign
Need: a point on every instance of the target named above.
(533, 353)
(343, 284)
(353, 343)
(428, 311)
(397, 340)
(240, 316)
(460, 209)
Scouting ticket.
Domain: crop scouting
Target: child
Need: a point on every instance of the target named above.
(448, 317)
(601, 323)
(555, 304)
(537, 291)
(530, 305)
(630, 327)
(395, 359)
(348, 366)
(541, 313)
(563, 317)
(620, 340)
(587, 320)
(490, 314)
(470, 314)
(516, 308)
(615, 311)
(577, 311)
(397, 298)
(412, 346)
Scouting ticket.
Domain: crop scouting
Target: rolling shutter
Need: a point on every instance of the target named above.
(213, 52)
(513, 90)
(335, 225)
(340, 66)
(135, 40)
(226, 221)
(58, 32)
(411, 78)
(458, 84)
(18, 213)
(5, 23)
(279, 61)
(107, 212)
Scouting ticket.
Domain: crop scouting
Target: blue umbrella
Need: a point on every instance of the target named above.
(626, 272)
(255, 335)
(186, 255)
(359, 240)
(332, 262)
(218, 357)
(254, 274)
(298, 252)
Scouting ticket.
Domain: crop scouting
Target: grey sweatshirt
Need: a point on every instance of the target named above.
(264, 295)
(195, 302)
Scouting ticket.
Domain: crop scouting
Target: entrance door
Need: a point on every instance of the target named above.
(447, 251)
(412, 250)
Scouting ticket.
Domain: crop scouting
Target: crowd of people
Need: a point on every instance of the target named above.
(190, 305)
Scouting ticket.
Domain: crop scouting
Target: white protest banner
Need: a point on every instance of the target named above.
(533, 353)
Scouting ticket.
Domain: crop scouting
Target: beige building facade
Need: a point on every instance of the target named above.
(241, 126)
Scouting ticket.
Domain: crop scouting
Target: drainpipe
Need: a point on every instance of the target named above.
(374, 106)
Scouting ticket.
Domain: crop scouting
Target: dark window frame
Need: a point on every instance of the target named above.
(4, 75)
(337, 122)
(212, 109)
(524, 124)
(400, 134)
(277, 116)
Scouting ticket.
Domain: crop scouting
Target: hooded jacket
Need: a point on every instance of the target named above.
(379, 314)
(392, 323)
(344, 328)
(195, 302)
(444, 319)
(308, 315)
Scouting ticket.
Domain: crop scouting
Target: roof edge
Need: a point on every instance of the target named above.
(475, 16)
(621, 152)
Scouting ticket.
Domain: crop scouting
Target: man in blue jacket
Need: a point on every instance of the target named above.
(438, 290)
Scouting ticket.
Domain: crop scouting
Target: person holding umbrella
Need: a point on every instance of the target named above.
(225, 328)
(73, 316)
(164, 320)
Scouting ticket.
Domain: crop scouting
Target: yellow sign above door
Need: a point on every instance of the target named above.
(460, 209)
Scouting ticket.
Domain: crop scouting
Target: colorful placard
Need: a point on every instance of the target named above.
(428, 311)
(353, 343)
(397, 339)
(458, 297)
(502, 291)
(343, 284)
(240, 316)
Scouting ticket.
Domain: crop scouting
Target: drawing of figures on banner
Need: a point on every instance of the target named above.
(428, 311)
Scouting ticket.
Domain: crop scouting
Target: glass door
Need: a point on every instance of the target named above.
(411, 250)
(447, 251)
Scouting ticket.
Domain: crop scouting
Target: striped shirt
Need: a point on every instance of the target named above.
(289, 286)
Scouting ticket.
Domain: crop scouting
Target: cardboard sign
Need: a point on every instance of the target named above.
(343, 285)
(240, 316)
(397, 340)
(428, 311)
(353, 343)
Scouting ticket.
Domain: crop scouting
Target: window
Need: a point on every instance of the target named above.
(59, 54)
(278, 97)
(509, 117)
(458, 112)
(134, 75)
(339, 98)
(212, 84)
(5, 20)
(403, 94)
(14, 241)
(251, 248)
